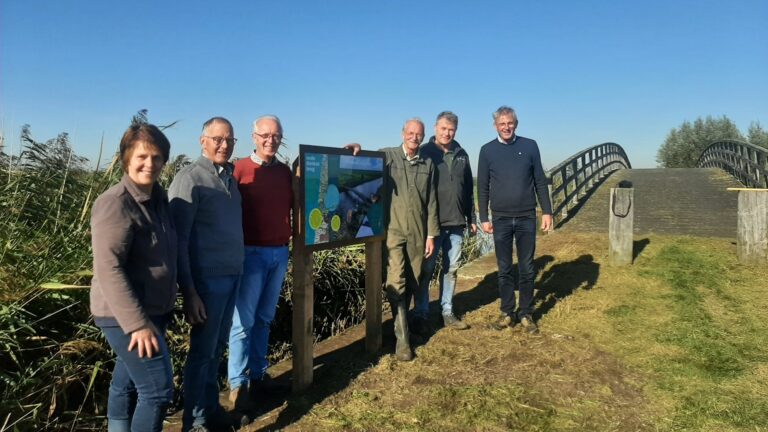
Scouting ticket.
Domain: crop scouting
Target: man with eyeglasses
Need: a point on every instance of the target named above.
(509, 179)
(265, 184)
(411, 224)
(206, 207)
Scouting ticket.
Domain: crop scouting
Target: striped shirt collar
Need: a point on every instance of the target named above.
(259, 161)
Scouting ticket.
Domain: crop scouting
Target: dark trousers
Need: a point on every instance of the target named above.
(520, 231)
(141, 388)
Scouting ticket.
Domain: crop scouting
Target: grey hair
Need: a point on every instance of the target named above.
(213, 120)
(449, 117)
(267, 117)
(414, 119)
(504, 110)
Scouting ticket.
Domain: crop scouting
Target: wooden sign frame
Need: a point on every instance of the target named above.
(303, 283)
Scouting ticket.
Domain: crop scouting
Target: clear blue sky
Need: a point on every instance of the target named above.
(578, 73)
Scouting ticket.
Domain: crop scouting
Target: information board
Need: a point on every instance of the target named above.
(342, 196)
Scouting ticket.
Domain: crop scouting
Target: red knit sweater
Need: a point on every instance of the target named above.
(267, 201)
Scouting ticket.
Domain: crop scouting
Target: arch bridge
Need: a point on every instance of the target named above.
(681, 201)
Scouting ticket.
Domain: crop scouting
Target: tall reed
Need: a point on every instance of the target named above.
(54, 363)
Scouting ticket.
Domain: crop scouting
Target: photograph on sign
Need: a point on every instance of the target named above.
(343, 195)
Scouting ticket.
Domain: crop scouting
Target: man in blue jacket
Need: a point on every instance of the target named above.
(510, 176)
(456, 212)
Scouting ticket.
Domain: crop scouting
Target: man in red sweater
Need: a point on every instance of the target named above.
(265, 185)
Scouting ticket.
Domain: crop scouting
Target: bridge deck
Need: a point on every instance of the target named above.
(685, 201)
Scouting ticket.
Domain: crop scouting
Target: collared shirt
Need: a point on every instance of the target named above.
(514, 138)
(259, 161)
(410, 158)
(225, 173)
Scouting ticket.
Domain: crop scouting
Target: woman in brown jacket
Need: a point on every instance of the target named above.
(134, 282)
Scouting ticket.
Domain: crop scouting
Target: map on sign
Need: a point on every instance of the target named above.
(342, 195)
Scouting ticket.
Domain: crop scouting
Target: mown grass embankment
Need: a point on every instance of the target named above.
(678, 341)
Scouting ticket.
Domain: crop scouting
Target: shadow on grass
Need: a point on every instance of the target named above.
(638, 246)
(335, 370)
(561, 280)
(484, 293)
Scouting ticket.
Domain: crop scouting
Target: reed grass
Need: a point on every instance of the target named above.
(54, 363)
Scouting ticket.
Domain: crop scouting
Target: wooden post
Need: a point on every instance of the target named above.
(303, 295)
(621, 214)
(752, 228)
(303, 313)
(373, 276)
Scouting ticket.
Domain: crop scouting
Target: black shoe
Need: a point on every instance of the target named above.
(451, 321)
(219, 420)
(502, 321)
(529, 325)
(420, 327)
(266, 386)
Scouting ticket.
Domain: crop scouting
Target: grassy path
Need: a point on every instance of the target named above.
(678, 341)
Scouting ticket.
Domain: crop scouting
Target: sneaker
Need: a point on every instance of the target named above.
(529, 325)
(450, 320)
(502, 321)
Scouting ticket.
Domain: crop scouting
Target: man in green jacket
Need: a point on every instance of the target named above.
(412, 225)
(410, 218)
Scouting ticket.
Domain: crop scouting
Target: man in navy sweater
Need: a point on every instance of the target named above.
(510, 176)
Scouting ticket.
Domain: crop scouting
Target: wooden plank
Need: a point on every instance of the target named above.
(373, 279)
(621, 215)
(752, 227)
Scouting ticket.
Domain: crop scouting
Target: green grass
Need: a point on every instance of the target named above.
(699, 312)
(443, 408)
(676, 342)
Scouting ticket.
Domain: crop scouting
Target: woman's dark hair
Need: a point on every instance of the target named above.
(147, 133)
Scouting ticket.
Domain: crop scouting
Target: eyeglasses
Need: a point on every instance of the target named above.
(218, 140)
(268, 137)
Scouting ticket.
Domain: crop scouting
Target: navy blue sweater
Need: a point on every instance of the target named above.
(511, 177)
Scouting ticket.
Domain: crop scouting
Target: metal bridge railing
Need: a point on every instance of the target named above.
(579, 174)
(746, 162)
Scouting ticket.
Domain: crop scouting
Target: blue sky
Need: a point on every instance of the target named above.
(578, 73)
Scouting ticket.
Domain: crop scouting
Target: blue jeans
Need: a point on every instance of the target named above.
(142, 388)
(255, 307)
(206, 346)
(449, 242)
(521, 231)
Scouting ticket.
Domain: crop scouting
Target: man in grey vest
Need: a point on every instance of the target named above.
(206, 207)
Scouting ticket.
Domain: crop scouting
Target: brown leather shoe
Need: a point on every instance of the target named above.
(502, 321)
(238, 396)
(529, 325)
(451, 321)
